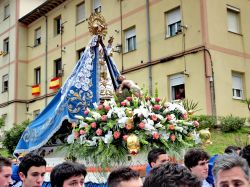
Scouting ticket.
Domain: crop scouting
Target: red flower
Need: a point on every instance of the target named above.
(98, 132)
(86, 112)
(168, 117)
(93, 125)
(134, 152)
(156, 135)
(147, 98)
(123, 103)
(125, 137)
(82, 132)
(154, 117)
(100, 107)
(117, 134)
(171, 127)
(107, 108)
(157, 99)
(157, 107)
(104, 118)
(196, 124)
(129, 98)
(141, 125)
(172, 137)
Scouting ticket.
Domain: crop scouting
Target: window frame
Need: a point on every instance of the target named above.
(5, 79)
(77, 12)
(57, 67)
(38, 36)
(236, 12)
(176, 24)
(96, 6)
(80, 52)
(173, 86)
(130, 37)
(58, 25)
(6, 13)
(240, 87)
(37, 77)
(6, 45)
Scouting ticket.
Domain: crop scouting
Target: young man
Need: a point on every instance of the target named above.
(32, 170)
(232, 149)
(245, 153)
(5, 172)
(124, 177)
(231, 170)
(68, 174)
(196, 160)
(171, 175)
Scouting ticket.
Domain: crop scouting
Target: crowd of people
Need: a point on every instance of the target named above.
(230, 169)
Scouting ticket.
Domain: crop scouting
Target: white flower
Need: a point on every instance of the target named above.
(141, 111)
(159, 125)
(122, 121)
(82, 124)
(70, 139)
(96, 115)
(108, 138)
(149, 124)
(79, 117)
(95, 105)
(178, 128)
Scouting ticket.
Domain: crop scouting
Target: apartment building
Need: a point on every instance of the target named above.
(196, 49)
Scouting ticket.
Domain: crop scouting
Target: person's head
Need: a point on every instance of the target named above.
(245, 153)
(231, 170)
(68, 173)
(157, 156)
(124, 177)
(5, 172)
(171, 175)
(32, 170)
(121, 78)
(196, 160)
(232, 149)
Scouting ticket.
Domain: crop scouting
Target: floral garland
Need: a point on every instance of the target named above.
(113, 129)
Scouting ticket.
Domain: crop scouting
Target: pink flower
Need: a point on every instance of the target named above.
(104, 118)
(154, 117)
(107, 108)
(157, 107)
(73, 124)
(185, 116)
(196, 124)
(93, 125)
(76, 134)
(168, 117)
(82, 132)
(117, 134)
(100, 107)
(98, 132)
(86, 112)
(156, 135)
(171, 127)
(129, 126)
(125, 137)
(129, 98)
(157, 99)
(123, 103)
(141, 125)
(172, 137)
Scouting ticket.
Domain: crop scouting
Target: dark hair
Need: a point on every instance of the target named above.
(4, 162)
(64, 171)
(171, 175)
(121, 174)
(154, 154)
(193, 156)
(232, 149)
(29, 160)
(245, 153)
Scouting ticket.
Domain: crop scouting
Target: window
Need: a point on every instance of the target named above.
(177, 87)
(80, 13)
(57, 25)
(37, 76)
(97, 6)
(58, 67)
(5, 83)
(80, 52)
(173, 19)
(233, 18)
(36, 113)
(37, 37)
(130, 38)
(6, 11)
(237, 87)
(6, 45)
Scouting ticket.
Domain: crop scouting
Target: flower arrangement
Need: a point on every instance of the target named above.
(113, 129)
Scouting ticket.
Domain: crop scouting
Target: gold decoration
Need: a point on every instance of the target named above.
(205, 136)
(97, 25)
(133, 144)
(2, 53)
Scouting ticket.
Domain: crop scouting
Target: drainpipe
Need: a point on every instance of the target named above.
(149, 49)
(121, 31)
(46, 60)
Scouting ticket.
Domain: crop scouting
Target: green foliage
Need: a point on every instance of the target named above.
(12, 136)
(231, 123)
(205, 121)
(190, 105)
(156, 90)
(247, 101)
(2, 122)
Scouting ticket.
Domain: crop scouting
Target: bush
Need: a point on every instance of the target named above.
(231, 123)
(12, 136)
(205, 121)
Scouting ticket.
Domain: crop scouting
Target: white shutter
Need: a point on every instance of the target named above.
(237, 82)
(96, 4)
(233, 22)
(80, 12)
(130, 33)
(38, 33)
(176, 80)
(173, 16)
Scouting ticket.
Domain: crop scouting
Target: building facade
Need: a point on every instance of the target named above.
(197, 50)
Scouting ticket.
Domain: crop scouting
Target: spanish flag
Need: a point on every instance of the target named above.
(36, 89)
(54, 83)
